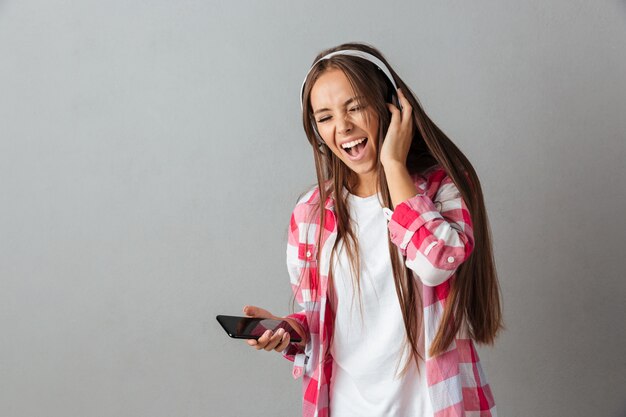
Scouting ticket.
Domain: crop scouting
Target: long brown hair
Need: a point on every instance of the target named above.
(474, 299)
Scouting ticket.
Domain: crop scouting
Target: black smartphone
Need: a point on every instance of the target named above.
(252, 328)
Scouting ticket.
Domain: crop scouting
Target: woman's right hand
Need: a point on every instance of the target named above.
(269, 340)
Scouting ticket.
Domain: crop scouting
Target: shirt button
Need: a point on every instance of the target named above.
(308, 254)
(450, 259)
(297, 372)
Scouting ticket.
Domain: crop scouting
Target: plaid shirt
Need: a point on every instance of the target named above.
(433, 231)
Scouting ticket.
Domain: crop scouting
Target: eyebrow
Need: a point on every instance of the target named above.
(350, 100)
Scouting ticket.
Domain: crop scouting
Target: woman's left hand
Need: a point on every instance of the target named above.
(397, 142)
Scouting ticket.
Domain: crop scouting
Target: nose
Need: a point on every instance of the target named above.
(344, 125)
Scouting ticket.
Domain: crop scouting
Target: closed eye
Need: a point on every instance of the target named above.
(351, 110)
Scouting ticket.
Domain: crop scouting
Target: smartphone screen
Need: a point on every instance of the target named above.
(252, 328)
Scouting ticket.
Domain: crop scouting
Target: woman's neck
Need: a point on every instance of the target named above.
(366, 185)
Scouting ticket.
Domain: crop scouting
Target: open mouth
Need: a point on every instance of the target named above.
(355, 148)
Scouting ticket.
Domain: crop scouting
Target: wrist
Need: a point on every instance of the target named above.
(394, 165)
(296, 326)
(399, 181)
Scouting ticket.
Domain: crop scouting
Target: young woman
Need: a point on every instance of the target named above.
(392, 302)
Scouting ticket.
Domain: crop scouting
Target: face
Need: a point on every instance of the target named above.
(342, 122)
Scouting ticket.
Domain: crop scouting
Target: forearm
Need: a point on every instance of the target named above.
(400, 183)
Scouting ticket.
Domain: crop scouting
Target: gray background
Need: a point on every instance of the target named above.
(151, 153)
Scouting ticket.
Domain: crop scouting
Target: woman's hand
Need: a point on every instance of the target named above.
(395, 150)
(268, 341)
(397, 142)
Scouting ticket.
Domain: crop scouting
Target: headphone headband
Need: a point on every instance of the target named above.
(351, 52)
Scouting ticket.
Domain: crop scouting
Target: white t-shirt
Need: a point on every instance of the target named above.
(368, 342)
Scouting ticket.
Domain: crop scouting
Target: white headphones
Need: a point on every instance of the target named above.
(351, 52)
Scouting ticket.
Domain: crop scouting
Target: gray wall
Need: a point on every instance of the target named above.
(151, 153)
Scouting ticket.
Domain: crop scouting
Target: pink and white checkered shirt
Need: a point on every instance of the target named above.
(434, 232)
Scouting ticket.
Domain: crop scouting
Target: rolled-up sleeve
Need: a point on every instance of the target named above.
(436, 235)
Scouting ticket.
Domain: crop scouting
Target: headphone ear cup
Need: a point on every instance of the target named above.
(320, 141)
(393, 96)
(396, 101)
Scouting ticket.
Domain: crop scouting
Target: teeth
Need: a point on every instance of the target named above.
(353, 143)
